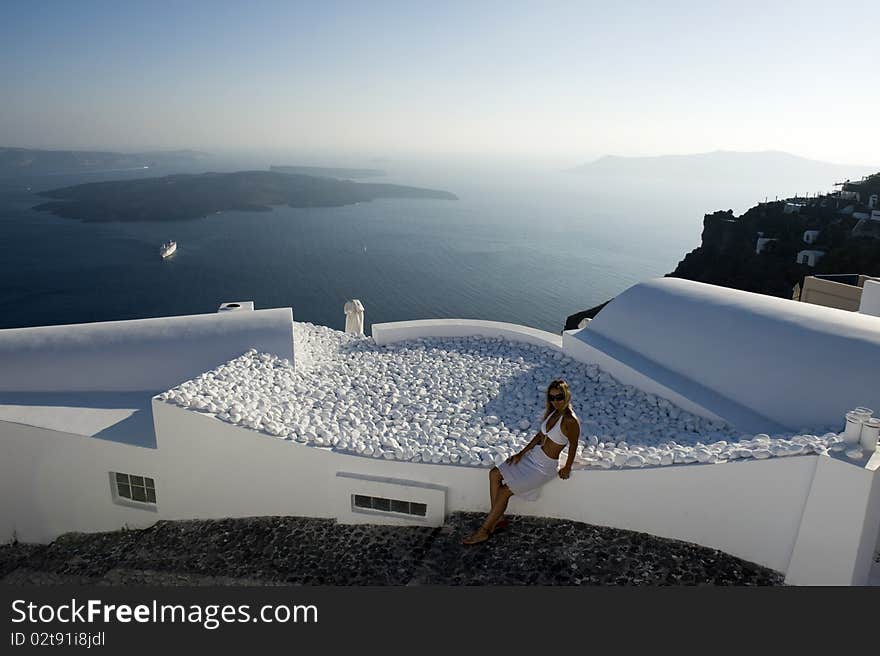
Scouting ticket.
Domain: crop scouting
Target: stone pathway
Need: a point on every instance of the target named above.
(307, 551)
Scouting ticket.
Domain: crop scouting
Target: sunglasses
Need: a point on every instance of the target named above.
(556, 397)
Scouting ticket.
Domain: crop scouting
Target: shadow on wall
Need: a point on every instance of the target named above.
(124, 417)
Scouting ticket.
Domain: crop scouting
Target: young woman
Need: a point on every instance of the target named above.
(537, 463)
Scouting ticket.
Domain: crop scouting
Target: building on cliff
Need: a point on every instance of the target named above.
(763, 243)
(843, 291)
(808, 257)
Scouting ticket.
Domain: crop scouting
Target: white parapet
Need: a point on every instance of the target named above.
(399, 331)
(142, 354)
(838, 534)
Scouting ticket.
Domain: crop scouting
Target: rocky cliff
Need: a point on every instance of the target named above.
(727, 255)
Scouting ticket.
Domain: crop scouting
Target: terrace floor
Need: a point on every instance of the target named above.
(469, 400)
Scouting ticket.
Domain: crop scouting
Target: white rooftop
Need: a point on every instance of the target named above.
(468, 400)
(125, 417)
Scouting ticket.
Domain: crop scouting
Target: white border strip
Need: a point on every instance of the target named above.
(400, 331)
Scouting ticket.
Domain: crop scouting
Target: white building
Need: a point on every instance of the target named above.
(88, 445)
(761, 244)
(810, 258)
(810, 236)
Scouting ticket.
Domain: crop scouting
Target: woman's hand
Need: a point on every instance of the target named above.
(565, 472)
(515, 458)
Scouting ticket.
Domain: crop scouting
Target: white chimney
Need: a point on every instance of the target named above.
(237, 306)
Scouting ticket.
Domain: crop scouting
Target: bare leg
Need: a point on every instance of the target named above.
(498, 508)
(495, 484)
(482, 534)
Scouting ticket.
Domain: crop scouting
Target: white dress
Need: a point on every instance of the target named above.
(535, 468)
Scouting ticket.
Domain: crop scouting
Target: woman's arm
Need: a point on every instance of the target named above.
(572, 430)
(536, 440)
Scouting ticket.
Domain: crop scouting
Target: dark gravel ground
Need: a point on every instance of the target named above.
(306, 551)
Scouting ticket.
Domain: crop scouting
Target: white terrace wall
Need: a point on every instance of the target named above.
(398, 331)
(751, 509)
(795, 364)
(53, 483)
(144, 354)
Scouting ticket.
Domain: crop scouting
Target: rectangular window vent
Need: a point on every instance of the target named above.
(135, 488)
(381, 504)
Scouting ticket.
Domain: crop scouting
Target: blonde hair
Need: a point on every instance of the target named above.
(566, 390)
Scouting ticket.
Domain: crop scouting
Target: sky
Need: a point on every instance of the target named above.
(564, 80)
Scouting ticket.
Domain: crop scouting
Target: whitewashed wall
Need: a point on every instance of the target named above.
(749, 509)
(838, 533)
(144, 354)
(53, 482)
(398, 331)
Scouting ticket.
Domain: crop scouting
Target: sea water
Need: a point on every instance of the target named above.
(523, 246)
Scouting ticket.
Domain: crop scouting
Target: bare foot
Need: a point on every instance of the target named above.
(478, 536)
(500, 525)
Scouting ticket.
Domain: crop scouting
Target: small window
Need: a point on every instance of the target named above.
(381, 504)
(131, 487)
(399, 506)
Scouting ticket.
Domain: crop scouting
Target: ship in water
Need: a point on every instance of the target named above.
(168, 249)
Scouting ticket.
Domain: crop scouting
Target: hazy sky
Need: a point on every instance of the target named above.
(571, 80)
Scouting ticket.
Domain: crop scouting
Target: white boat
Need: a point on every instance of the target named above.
(168, 249)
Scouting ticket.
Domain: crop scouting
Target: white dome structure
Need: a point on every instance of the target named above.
(745, 357)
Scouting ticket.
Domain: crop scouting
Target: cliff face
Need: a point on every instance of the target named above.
(726, 256)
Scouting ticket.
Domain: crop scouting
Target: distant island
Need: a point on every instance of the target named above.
(186, 196)
(771, 247)
(720, 166)
(28, 161)
(321, 171)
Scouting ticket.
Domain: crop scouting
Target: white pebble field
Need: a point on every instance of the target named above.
(470, 401)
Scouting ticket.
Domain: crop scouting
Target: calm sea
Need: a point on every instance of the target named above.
(522, 246)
